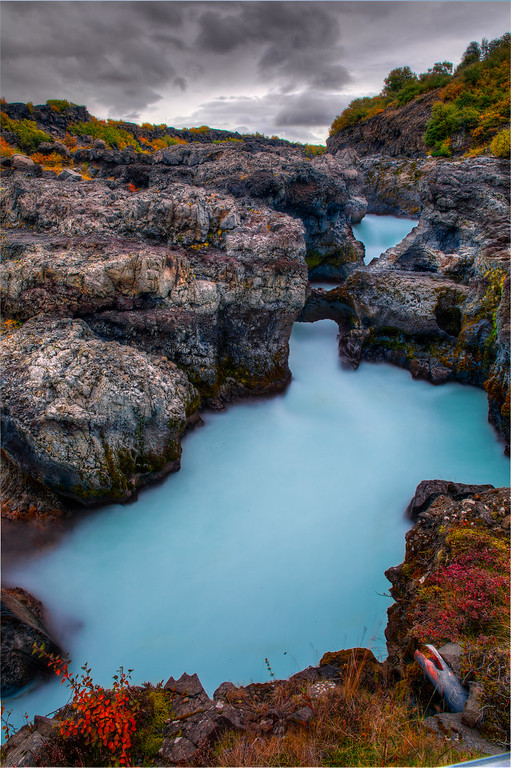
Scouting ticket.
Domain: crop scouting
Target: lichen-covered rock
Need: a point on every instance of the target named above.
(391, 185)
(88, 419)
(22, 627)
(196, 276)
(323, 192)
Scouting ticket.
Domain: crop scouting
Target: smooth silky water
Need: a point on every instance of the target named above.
(272, 540)
(378, 233)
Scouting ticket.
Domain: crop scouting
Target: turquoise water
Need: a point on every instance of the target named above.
(381, 232)
(272, 540)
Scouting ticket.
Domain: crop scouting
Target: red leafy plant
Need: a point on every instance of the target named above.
(102, 719)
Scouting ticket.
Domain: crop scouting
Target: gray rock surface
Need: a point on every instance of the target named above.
(196, 276)
(391, 185)
(88, 419)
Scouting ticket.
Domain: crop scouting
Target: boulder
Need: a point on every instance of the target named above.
(90, 420)
(197, 720)
(428, 490)
(22, 627)
(60, 148)
(22, 163)
(68, 175)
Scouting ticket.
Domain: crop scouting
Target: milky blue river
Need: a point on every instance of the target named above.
(272, 540)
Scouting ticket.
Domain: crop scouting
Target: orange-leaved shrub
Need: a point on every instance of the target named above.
(104, 720)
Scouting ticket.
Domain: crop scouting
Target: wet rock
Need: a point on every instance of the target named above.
(22, 627)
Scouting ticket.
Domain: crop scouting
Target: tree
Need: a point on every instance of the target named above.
(472, 55)
(398, 79)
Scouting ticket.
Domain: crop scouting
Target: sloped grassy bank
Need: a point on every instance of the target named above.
(453, 587)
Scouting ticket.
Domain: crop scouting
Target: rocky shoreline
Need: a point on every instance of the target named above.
(456, 527)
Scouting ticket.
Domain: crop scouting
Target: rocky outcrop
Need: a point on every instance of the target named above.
(118, 289)
(210, 283)
(323, 192)
(428, 490)
(22, 627)
(436, 303)
(88, 419)
(395, 132)
(391, 185)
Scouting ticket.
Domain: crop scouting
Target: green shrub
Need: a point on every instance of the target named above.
(115, 137)
(59, 105)
(500, 145)
(28, 135)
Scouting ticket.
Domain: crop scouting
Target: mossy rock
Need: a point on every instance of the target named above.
(358, 667)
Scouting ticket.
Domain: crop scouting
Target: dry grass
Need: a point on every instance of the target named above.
(350, 728)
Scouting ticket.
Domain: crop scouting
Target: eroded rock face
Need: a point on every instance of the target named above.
(88, 419)
(22, 627)
(397, 132)
(198, 277)
(391, 185)
(324, 192)
(437, 302)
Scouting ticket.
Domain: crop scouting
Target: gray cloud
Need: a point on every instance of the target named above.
(285, 67)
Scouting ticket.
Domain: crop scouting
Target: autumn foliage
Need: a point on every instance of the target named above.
(103, 720)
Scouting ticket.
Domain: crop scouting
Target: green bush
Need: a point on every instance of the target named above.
(28, 135)
(500, 145)
(115, 137)
(59, 105)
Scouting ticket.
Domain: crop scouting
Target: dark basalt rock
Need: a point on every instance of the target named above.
(428, 490)
(398, 132)
(22, 627)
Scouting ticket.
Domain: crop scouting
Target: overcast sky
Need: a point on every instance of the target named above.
(285, 68)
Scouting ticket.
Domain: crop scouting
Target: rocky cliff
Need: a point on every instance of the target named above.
(181, 277)
(395, 132)
(437, 303)
(322, 192)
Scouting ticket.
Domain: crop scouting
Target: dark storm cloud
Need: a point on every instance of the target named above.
(296, 42)
(295, 62)
(115, 53)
